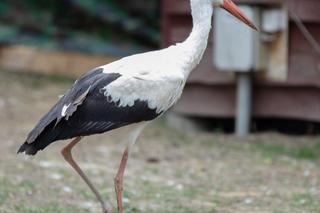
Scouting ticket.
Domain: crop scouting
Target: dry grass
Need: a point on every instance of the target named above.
(168, 171)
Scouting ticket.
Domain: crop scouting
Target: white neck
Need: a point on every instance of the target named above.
(193, 47)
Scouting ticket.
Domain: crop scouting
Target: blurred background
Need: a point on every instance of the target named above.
(255, 85)
(99, 26)
(279, 67)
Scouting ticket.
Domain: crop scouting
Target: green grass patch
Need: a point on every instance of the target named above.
(307, 201)
(304, 153)
(84, 192)
(5, 190)
(27, 185)
(49, 208)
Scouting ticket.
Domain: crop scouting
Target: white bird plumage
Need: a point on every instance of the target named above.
(158, 77)
(131, 91)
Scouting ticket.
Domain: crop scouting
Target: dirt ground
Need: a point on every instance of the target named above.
(169, 171)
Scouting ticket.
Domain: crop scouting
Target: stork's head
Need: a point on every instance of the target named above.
(229, 6)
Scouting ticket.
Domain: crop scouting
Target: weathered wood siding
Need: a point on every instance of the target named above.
(211, 93)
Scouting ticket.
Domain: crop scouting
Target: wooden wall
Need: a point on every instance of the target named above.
(211, 93)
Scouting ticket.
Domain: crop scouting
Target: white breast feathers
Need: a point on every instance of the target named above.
(145, 79)
(159, 93)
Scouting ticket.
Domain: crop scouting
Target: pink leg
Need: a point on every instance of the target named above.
(66, 152)
(118, 180)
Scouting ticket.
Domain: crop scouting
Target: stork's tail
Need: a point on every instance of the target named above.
(38, 140)
(29, 149)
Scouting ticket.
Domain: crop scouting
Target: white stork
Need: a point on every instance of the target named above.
(131, 91)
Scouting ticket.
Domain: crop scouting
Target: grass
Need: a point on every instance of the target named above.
(23, 191)
(6, 189)
(169, 171)
(307, 201)
(50, 207)
(309, 152)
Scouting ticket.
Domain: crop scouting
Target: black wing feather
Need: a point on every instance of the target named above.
(97, 115)
(89, 112)
(54, 114)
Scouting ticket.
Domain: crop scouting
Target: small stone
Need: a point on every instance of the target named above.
(170, 183)
(179, 187)
(56, 176)
(45, 164)
(248, 200)
(306, 173)
(87, 205)
(67, 189)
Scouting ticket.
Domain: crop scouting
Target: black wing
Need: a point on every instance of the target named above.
(88, 111)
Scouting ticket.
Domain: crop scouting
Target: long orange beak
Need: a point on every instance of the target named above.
(229, 6)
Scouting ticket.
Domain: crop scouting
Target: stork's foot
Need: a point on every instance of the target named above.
(66, 152)
(107, 208)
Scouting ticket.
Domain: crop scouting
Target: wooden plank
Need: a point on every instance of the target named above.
(182, 7)
(268, 102)
(207, 101)
(260, 2)
(304, 62)
(176, 7)
(29, 59)
(306, 10)
(287, 102)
